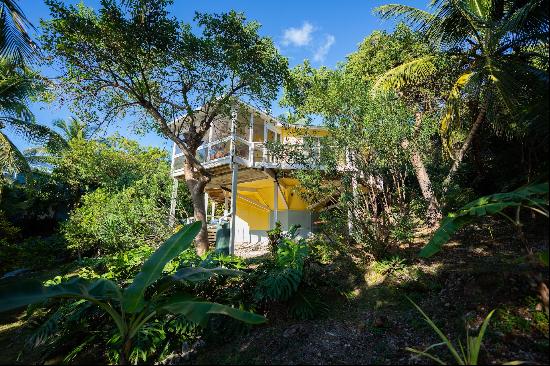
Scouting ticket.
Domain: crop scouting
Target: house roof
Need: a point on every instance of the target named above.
(267, 117)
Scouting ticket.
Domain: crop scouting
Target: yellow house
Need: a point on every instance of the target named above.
(253, 186)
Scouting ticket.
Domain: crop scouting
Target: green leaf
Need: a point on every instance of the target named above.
(133, 299)
(32, 292)
(199, 311)
(543, 257)
(476, 341)
(534, 196)
(442, 336)
(449, 226)
(197, 274)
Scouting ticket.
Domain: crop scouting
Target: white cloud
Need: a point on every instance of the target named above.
(322, 51)
(298, 36)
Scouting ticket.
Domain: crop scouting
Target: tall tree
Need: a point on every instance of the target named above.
(491, 42)
(343, 98)
(131, 57)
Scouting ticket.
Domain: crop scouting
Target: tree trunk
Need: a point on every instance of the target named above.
(196, 184)
(465, 146)
(125, 352)
(433, 213)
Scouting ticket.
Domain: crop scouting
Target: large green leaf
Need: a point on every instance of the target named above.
(449, 226)
(534, 196)
(32, 292)
(133, 299)
(199, 311)
(197, 274)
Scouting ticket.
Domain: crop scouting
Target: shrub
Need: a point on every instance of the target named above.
(111, 221)
(283, 279)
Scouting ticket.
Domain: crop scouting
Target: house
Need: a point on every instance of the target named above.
(253, 186)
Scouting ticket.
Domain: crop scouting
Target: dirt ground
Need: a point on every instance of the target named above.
(374, 323)
(370, 320)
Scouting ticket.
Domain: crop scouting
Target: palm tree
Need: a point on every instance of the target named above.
(17, 84)
(491, 42)
(15, 42)
(50, 153)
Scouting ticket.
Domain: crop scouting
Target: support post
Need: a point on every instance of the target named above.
(213, 209)
(234, 177)
(210, 133)
(275, 202)
(206, 206)
(173, 201)
(225, 204)
(174, 196)
(264, 150)
(234, 181)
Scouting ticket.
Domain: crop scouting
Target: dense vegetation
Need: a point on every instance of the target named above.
(438, 221)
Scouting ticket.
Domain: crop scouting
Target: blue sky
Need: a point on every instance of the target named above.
(324, 32)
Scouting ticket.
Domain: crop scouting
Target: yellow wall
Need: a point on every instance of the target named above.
(256, 218)
(261, 191)
(302, 131)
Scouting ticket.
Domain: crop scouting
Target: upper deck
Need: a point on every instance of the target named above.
(244, 140)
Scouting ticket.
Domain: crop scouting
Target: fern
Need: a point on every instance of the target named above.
(66, 315)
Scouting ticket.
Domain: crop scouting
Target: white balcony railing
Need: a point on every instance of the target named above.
(250, 154)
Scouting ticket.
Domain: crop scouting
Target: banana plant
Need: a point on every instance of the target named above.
(533, 197)
(145, 298)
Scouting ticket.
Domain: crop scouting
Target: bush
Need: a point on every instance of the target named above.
(109, 221)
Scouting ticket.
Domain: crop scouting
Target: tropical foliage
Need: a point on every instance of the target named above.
(414, 132)
(129, 308)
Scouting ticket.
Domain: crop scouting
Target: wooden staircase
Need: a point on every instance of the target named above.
(212, 235)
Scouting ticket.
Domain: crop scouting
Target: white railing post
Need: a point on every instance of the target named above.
(210, 133)
(264, 148)
(206, 207)
(233, 140)
(251, 140)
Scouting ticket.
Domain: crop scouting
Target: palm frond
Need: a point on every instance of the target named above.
(412, 72)
(529, 20)
(15, 42)
(450, 28)
(451, 115)
(33, 131)
(413, 16)
(11, 159)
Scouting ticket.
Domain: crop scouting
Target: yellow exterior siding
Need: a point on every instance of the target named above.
(262, 192)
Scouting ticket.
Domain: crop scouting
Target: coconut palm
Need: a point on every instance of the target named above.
(17, 84)
(48, 154)
(15, 42)
(492, 43)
